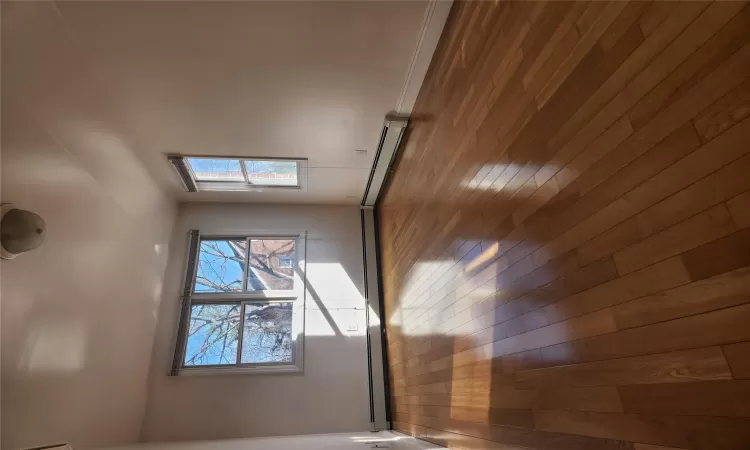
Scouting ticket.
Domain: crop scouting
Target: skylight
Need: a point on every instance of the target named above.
(271, 173)
(200, 173)
(206, 169)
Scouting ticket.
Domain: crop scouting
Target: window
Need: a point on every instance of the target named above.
(271, 173)
(285, 262)
(200, 173)
(243, 306)
(205, 169)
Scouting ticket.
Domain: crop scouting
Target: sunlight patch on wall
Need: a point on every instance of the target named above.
(316, 323)
(497, 177)
(55, 347)
(333, 285)
(335, 322)
(374, 319)
(440, 302)
(334, 304)
(414, 281)
(484, 257)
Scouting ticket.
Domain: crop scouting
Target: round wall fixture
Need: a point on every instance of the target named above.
(20, 231)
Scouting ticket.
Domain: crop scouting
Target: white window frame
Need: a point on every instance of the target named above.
(296, 296)
(193, 184)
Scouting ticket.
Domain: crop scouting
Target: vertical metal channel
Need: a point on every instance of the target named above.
(383, 337)
(190, 270)
(390, 141)
(367, 322)
(375, 332)
(363, 226)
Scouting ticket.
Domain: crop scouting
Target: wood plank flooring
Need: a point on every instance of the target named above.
(566, 233)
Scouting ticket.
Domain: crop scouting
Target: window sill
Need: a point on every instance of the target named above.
(260, 370)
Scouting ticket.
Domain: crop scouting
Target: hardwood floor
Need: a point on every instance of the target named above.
(566, 235)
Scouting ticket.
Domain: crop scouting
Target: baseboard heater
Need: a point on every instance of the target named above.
(377, 358)
(390, 139)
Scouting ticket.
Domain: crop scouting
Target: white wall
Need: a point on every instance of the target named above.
(311, 79)
(330, 396)
(79, 312)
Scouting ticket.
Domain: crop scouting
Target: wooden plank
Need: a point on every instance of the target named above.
(702, 228)
(657, 278)
(599, 322)
(588, 40)
(720, 186)
(521, 437)
(725, 113)
(589, 16)
(656, 13)
(526, 322)
(570, 207)
(677, 367)
(716, 50)
(633, 79)
(520, 361)
(445, 438)
(722, 255)
(713, 398)
(654, 447)
(602, 399)
(688, 105)
(739, 207)
(624, 21)
(564, 37)
(480, 370)
(728, 325)
(513, 398)
(475, 384)
(564, 237)
(577, 281)
(738, 356)
(721, 291)
(695, 432)
(553, 271)
(608, 141)
(521, 418)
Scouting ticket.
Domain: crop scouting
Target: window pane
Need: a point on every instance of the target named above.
(213, 335)
(220, 266)
(268, 271)
(206, 169)
(272, 173)
(267, 333)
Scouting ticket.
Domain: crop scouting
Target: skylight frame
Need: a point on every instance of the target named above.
(193, 183)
